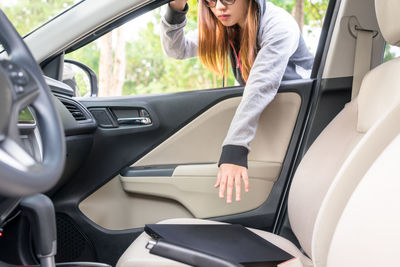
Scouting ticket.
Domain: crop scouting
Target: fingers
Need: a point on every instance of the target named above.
(222, 186)
(229, 189)
(218, 179)
(230, 176)
(245, 180)
(226, 184)
(238, 186)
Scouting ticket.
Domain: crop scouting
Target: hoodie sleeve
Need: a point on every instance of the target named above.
(174, 42)
(279, 40)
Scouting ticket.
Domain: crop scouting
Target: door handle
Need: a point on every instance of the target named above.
(134, 121)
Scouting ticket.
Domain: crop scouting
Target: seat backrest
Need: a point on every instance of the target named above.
(347, 179)
(368, 232)
(379, 94)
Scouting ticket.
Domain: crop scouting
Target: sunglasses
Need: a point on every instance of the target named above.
(213, 3)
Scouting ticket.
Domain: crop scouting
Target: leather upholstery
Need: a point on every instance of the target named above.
(379, 93)
(378, 96)
(368, 232)
(387, 12)
(317, 170)
(347, 179)
(136, 255)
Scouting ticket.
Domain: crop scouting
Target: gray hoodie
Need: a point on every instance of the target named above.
(281, 50)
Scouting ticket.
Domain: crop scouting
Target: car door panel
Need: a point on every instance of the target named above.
(191, 186)
(200, 141)
(189, 192)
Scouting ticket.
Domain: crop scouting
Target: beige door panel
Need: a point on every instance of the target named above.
(193, 187)
(114, 207)
(200, 141)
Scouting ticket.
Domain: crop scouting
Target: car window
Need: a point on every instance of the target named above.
(130, 61)
(391, 52)
(27, 15)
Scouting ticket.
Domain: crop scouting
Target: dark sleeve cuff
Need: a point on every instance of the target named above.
(234, 155)
(173, 16)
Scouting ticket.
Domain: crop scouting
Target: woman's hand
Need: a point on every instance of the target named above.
(178, 5)
(229, 175)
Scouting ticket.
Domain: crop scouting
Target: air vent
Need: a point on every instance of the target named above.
(75, 111)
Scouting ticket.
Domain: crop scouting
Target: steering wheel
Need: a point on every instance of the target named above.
(22, 85)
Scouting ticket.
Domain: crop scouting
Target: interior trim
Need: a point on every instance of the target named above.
(192, 186)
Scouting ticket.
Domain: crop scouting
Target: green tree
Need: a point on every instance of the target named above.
(88, 55)
(285, 4)
(26, 15)
(314, 12)
(148, 70)
(388, 54)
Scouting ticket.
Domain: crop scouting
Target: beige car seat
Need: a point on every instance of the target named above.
(368, 232)
(337, 158)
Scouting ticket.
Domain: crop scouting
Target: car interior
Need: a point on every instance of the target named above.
(81, 176)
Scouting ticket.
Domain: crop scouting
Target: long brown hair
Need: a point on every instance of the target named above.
(214, 40)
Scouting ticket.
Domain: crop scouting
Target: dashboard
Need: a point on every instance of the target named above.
(76, 119)
(78, 123)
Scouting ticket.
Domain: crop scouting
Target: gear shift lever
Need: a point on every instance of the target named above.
(39, 210)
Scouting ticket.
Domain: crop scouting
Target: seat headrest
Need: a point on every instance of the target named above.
(387, 13)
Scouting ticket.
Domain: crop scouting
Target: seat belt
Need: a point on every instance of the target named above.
(362, 60)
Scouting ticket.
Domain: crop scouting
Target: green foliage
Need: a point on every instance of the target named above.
(288, 5)
(314, 12)
(388, 54)
(88, 55)
(82, 82)
(148, 70)
(27, 15)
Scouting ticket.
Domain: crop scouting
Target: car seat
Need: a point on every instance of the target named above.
(373, 208)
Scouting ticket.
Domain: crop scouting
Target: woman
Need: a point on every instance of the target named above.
(264, 46)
